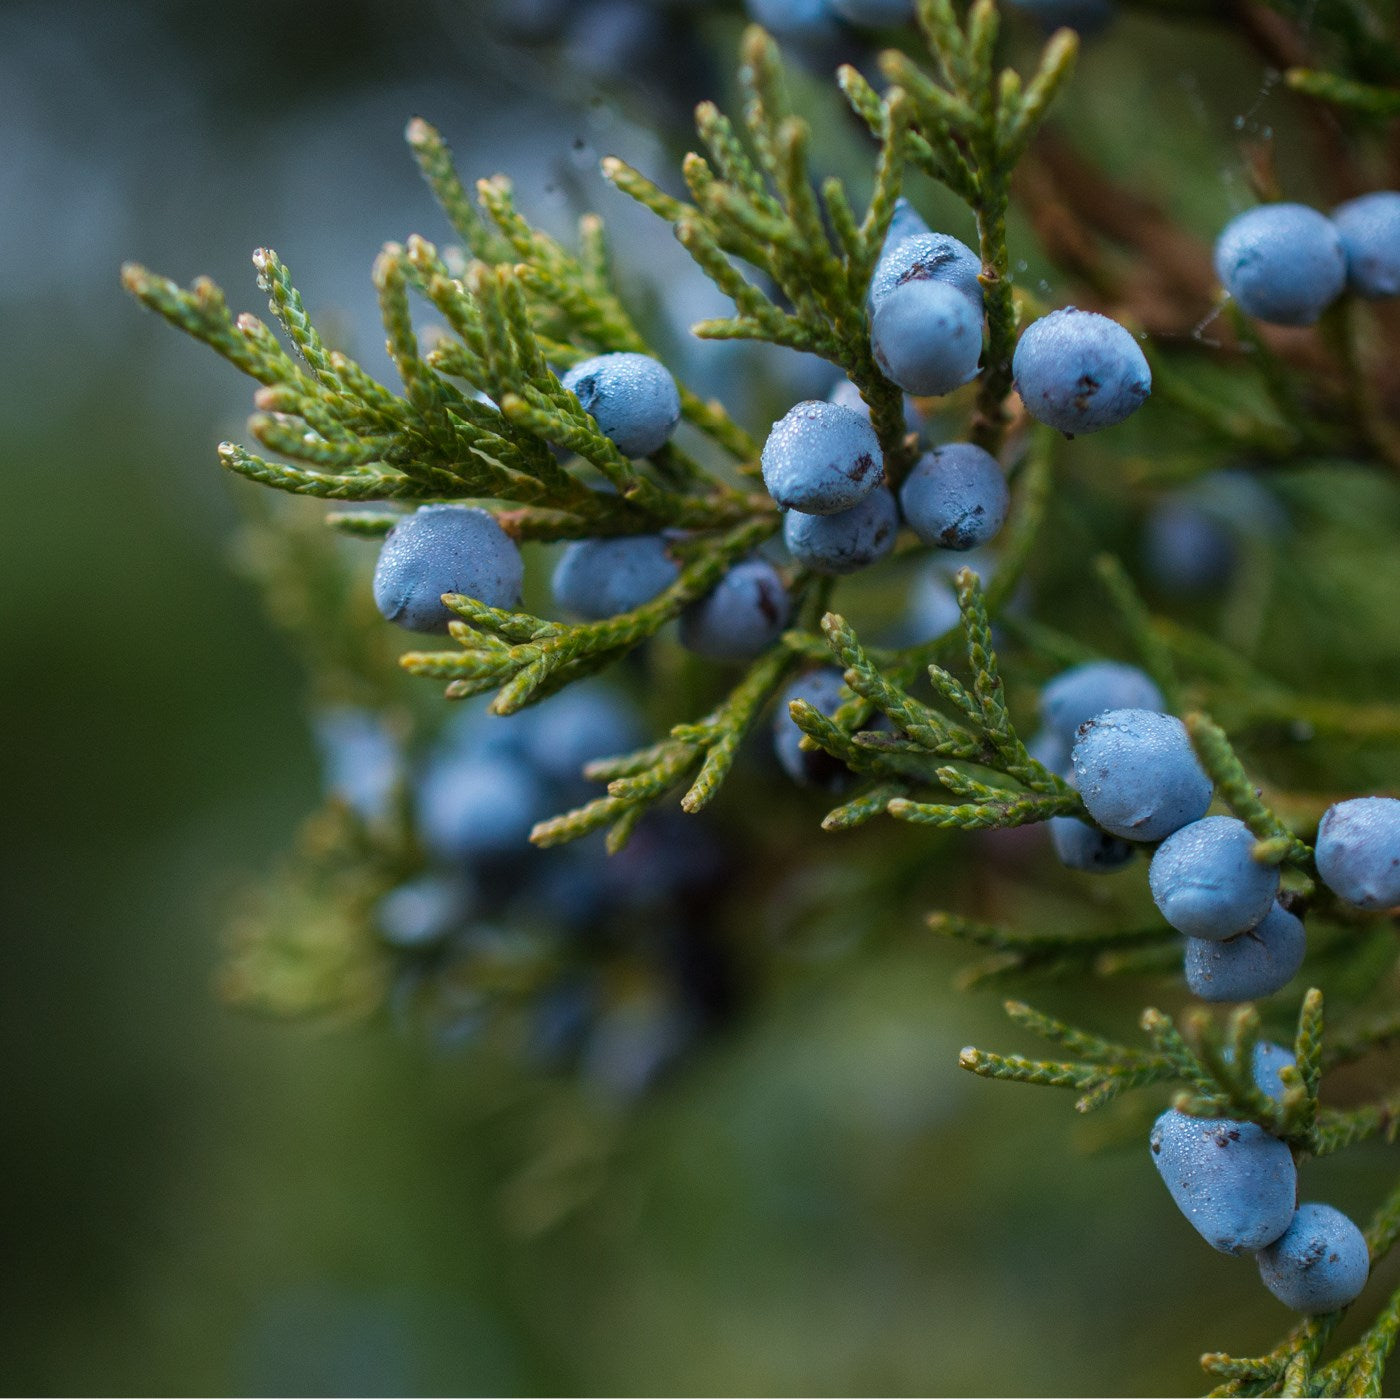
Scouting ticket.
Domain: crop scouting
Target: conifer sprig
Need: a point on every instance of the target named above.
(480, 414)
(753, 200)
(519, 307)
(1365, 99)
(1212, 1061)
(968, 746)
(1292, 1367)
(1016, 953)
(523, 656)
(976, 124)
(698, 754)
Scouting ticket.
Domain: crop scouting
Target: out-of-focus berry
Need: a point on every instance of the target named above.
(1358, 851)
(595, 579)
(1090, 689)
(745, 612)
(1369, 228)
(822, 689)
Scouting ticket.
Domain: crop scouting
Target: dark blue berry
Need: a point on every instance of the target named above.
(1319, 1264)
(821, 458)
(803, 20)
(824, 691)
(1369, 228)
(1358, 851)
(746, 612)
(1252, 964)
(424, 911)
(1192, 539)
(1282, 263)
(846, 395)
(913, 254)
(905, 222)
(955, 497)
(1086, 16)
(1234, 1182)
(1079, 371)
(1090, 689)
(359, 759)
(844, 543)
(632, 398)
(1138, 774)
(445, 549)
(1270, 1061)
(479, 806)
(874, 13)
(927, 337)
(1080, 846)
(600, 578)
(1206, 881)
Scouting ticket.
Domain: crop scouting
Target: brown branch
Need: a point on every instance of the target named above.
(1167, 286)
(1282, 47)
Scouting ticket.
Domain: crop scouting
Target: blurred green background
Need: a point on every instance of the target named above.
(202, 1202)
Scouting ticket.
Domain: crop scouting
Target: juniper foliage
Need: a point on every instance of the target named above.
(927, 730)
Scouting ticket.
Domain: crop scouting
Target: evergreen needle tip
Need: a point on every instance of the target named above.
(756, 44)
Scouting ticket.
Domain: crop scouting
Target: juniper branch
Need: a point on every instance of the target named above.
(1045, 952)
(1277, 843)
(516, 654)
(700, 753)
(1364, 99)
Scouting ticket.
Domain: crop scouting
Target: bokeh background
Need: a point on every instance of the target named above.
(200, 1201)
